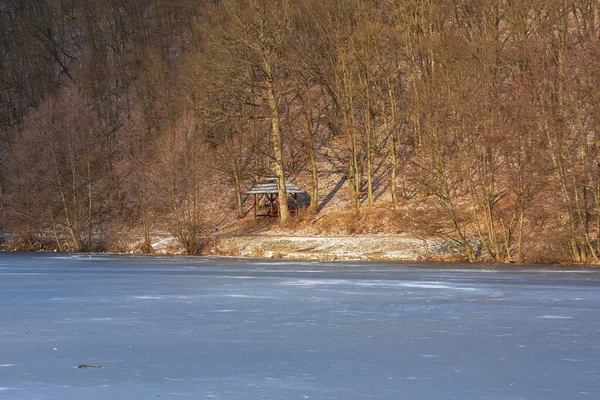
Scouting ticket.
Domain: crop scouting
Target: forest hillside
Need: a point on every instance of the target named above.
(469, 120)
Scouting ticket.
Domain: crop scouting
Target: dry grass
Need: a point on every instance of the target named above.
(364, 221)
(216, 247)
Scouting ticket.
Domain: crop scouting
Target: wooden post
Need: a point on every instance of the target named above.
(271, 205)
(255, 206)
(295, 197)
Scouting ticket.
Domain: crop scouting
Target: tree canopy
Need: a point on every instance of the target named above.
(478, 120)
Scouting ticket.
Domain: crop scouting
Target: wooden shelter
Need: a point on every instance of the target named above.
(266, 197)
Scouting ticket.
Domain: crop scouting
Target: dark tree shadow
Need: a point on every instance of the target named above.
(380, 183)
(331, 194)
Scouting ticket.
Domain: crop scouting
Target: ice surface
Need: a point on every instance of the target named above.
(200, 328)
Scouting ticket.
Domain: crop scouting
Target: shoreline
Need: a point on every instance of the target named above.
(383, 248)
(448, 265)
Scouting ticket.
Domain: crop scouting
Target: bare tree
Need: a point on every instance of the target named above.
(179, 175)
(255, 34)
(60, 144)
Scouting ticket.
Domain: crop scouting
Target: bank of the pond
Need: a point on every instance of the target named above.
(380, 247)
(400, 248)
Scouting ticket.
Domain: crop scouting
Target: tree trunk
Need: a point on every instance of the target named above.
(314, 189)
(56, 238)
(236, 188)
(90, 204)
(369, 139)
(310, 150)
(284, 212)
(69, 222)
(147, 247)
(392, 142)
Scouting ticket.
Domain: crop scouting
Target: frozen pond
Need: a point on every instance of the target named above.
(198, 328)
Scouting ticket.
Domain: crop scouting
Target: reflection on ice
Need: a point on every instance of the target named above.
(374, 283)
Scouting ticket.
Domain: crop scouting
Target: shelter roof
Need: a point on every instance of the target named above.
(271, 188)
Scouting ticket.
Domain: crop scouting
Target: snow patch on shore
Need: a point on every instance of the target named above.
(388, 247)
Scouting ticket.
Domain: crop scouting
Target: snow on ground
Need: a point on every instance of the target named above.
(384, 247)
